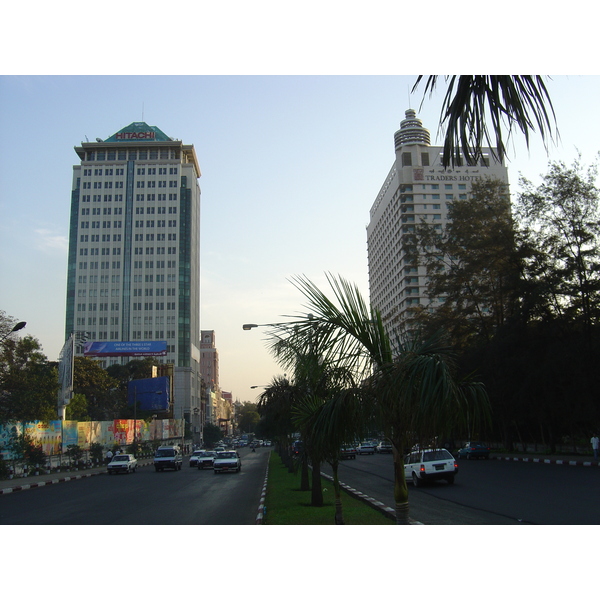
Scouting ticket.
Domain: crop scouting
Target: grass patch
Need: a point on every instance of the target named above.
(287, 505)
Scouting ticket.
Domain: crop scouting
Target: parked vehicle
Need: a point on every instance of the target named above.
(348, 452)
(430, 464)
(206, 459)
(226, 461)
(122, 463)
(474, 450)
(366, 448)
(168, 457)
(384, 448)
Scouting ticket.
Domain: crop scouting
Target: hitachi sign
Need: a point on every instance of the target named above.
(135, 135)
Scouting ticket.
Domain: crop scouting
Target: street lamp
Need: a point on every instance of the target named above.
(20, 325)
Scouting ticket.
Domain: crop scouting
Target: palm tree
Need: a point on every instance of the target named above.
(512, 100)
(275, 408)
(413, 388)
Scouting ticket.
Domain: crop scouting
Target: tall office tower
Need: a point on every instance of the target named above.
(134, 251)
(417, 189)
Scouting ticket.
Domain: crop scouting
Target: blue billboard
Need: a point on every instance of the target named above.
(142, 348)
(151, 394)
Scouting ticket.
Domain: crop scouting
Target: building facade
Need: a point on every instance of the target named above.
(417, 189)
(134, 251)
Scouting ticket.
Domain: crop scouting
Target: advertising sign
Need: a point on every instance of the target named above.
(145, 348)
(150, 394)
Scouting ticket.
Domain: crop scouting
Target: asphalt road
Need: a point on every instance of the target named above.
(185, 497)
(488, 492)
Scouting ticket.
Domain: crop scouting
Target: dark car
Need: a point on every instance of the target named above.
(474, 450)
(347, 452)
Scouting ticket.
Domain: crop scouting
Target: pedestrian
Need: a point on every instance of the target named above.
(595, 441)
(109, 455)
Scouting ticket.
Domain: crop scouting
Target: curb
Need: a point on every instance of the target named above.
(549, 461)
(386, 511)
(262, 509)
(29, 486)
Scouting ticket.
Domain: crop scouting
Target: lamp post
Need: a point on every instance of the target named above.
(20, 325)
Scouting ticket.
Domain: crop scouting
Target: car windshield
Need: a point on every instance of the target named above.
(198, 453)
(437, 455)
(226, 455)
(165, 452)
(121, 458)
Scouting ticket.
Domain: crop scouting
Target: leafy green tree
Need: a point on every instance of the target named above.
(212, 434)
(560, 220)
(472, 263)
(98, 387)
(512, 101)
(248, 417)
(28, 382)
(77, 408)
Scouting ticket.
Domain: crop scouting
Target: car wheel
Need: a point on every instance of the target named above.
(415, 479)
(450, 479)
(468, 457)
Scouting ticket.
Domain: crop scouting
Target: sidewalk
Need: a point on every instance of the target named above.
(18, 484)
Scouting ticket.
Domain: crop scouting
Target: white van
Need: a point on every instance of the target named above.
(168, 457)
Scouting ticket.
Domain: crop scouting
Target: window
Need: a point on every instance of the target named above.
(406, 159)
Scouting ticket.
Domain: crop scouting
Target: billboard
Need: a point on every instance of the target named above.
(145, 348)
(151, 394)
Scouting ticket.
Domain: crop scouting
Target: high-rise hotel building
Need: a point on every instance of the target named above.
(134, 246)
(417, 189)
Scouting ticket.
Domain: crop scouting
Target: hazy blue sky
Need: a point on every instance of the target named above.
(290, 167)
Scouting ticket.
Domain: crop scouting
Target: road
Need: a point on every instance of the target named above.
(186, 497)
(488, 492)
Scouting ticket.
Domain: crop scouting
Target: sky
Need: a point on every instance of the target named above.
(290, 168)
(292, 109)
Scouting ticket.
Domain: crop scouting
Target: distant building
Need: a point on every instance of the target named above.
(209, 359)
(416, 189)
(134, 251)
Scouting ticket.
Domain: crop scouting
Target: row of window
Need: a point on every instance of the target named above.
(137, 264)
(108, 185)
(96, 237)
(139, 210)
(114, 306)
(110, 171)
(119, 224)
(152, 184)
(161, 210)
(119, 197)
(153, 154)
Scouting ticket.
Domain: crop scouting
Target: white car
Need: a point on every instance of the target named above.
(122, 463)
(196, 454)
(366, 448)
(384, 448)
(429, 464)
(226, 461)
(206, 459)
